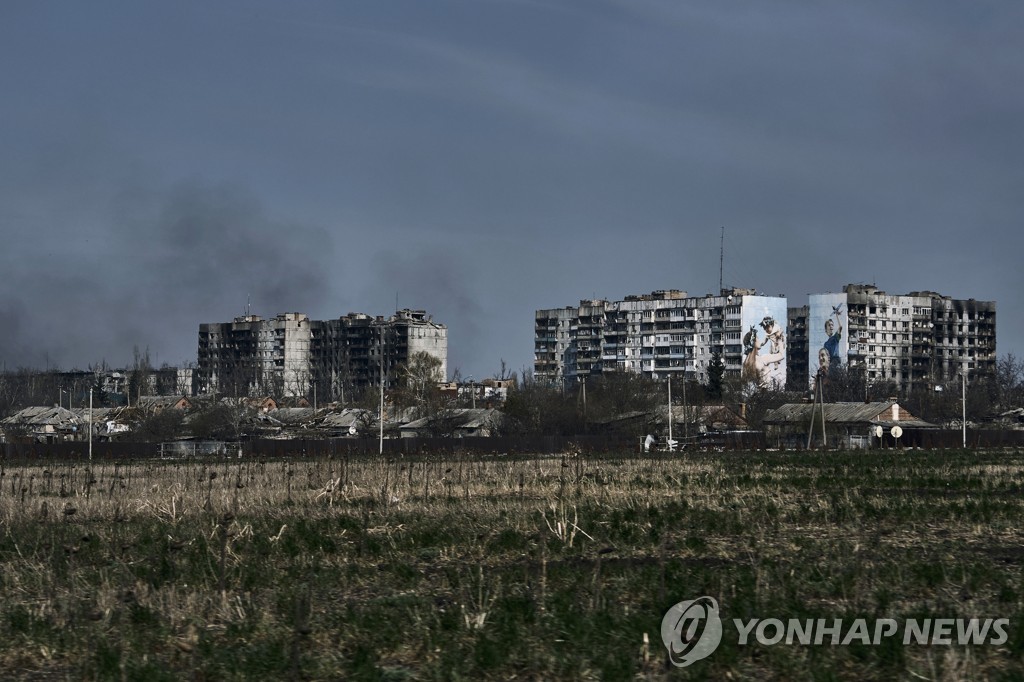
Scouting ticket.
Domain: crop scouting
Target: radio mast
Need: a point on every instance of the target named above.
(721, 259)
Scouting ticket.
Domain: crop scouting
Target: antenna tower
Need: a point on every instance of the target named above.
(721, 259)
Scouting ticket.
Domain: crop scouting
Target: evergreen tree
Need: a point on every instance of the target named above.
(716, 372)
(99, 392)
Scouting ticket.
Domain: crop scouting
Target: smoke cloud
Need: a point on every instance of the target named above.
(160, 266)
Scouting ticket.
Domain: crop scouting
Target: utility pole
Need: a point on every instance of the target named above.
(670, 415)
(814, 407)
(963, 404)
(819, 400)
(382, 339)
(584, 401)
(90, 424)
(686, 416)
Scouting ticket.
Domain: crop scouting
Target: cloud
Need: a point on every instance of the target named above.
(446, 283)
(164, 262)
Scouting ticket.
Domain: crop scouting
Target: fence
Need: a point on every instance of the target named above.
(587, 443)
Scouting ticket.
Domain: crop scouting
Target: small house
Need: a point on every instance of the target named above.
(846, 425)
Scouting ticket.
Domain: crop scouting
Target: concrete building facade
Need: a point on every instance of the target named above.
(919, 339)
(351, 353)
(664, 333)
(290, 355)
(252, 356)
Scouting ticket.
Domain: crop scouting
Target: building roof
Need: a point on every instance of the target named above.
(350, 416)
(466, 418)
(58, 417)
(718, 417)
(291, 415)
(884, 413)
(160, 402)
(99, 414)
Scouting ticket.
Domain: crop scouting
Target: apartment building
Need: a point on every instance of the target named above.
(918, 339)
(291, 355)
(252, 355)
(664, 333)
(351, 353)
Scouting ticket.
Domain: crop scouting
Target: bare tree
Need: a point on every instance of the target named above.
(1009, 383)
(138, 375)
(418, 384)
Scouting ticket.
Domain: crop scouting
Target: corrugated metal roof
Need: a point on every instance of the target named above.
(348, 417)
(709, 415)
(43, 415)
(846, 413)
(464, 418)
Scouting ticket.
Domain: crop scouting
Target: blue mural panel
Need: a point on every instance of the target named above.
(763, 320)
(828, 340)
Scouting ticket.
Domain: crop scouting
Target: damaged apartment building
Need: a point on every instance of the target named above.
(290, 355)
(916, 340)
(664, 333)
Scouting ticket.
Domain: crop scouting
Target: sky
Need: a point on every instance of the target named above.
(166, 164)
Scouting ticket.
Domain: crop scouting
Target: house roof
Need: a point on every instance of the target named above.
(160, 401)
(713, 416)
(291, 415)
(99, 414)
(58, 417)
(884, 413)
(348, 417)
(465, 418)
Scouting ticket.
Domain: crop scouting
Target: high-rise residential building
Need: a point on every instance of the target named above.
(252, 355)
(291, 355)
(917, 339)
(796, 349)
(356, 351)
(664, 333)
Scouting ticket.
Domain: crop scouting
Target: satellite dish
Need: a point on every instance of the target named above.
(352, 430)
(896, 432)
(878, 432)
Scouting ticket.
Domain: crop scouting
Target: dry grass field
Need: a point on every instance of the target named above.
(501, 567)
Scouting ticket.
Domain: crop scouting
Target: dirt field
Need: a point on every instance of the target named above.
(502, 568)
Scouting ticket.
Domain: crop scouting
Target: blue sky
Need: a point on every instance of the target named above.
(165, 162)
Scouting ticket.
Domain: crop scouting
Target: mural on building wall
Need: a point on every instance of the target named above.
(828, 339)
(763, 324)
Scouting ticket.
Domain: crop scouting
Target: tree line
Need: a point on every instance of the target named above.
(534, 407)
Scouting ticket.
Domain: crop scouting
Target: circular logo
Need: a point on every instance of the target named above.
(691, 630)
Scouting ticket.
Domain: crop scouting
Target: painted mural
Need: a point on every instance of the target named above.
(828, 340)
(763, 321)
